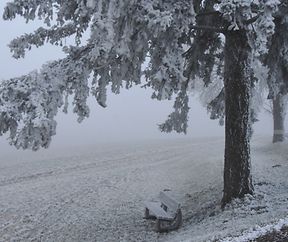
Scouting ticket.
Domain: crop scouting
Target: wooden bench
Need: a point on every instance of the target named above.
(166, 212)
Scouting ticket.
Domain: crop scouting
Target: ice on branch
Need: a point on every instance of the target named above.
(123, 35)
(178, 119)
(256, 17)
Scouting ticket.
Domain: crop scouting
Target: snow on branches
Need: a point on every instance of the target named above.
(29, 104)
(27, 111)
(123, 33)
(166, 42)
(255, 16)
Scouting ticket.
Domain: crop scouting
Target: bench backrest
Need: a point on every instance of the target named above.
(171, 205)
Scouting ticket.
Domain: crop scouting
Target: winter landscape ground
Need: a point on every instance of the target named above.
(96, 193)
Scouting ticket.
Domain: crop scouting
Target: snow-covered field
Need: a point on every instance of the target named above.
(97, 193)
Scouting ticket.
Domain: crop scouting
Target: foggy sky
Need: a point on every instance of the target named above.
(132, 115)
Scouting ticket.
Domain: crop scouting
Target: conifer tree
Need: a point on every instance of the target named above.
(180, 40)
(277, 61)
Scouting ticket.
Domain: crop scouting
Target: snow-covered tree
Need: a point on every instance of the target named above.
(179, 39)
(272, 76)
(247, 26)
(277, 61)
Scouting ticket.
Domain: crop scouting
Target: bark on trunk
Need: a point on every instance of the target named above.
(278, 118)
(237, 84)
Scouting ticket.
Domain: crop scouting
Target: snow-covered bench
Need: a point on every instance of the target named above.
(166, 211)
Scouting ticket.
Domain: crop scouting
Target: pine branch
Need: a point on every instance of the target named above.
(204, 27)
(251, 20)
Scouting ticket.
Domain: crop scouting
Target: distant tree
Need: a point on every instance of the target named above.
(279, 113)
(277, 61)
(179, 39)
(277, 108)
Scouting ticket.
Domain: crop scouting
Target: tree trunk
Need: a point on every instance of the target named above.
(278, 118)
(237, 84)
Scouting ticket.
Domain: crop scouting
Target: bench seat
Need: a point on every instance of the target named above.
(156, 209)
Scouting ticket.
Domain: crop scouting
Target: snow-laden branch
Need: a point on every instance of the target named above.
(122, 35)
(29, 104)
(178, 119)
(54, 35)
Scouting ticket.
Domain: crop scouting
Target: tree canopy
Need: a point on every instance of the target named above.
(123, 35)
(163, 45)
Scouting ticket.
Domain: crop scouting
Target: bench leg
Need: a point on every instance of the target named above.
(178, 220)
(173, 225)
(158, 226)
(147, 214)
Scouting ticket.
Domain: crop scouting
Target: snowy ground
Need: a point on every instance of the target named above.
(97, 193)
